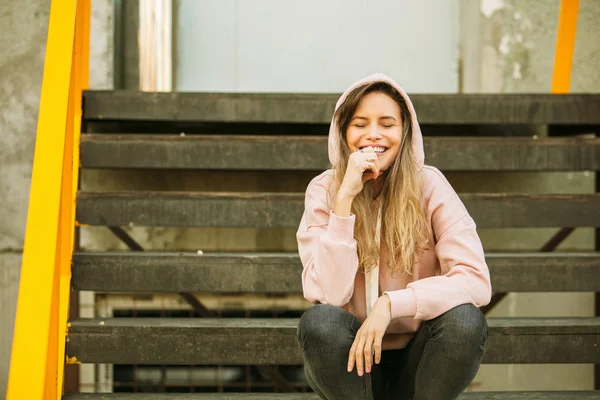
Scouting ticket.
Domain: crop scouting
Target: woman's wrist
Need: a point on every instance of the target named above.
(344, 194)
(387, 303)
(343, 204)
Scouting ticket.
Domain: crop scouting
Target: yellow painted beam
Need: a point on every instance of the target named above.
(38, 343)
(79, 82)
(565, 46)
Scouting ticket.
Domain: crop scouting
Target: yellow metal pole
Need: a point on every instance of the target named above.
(33, 370)
(82, 54)
(79, 82)
(565, 45)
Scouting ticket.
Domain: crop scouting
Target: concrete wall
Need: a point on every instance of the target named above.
(22, 44)
(9, 280)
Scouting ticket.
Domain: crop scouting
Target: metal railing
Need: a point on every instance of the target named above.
(38, 352)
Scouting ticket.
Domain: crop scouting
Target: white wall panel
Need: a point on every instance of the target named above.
(314, 45)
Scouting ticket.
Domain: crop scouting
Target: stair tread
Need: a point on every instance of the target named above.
(530, 395)
(229, 341)
(497, 326)
(170, 272)
(310, 152)
(264, 210)
(290, 256)
(317, 108)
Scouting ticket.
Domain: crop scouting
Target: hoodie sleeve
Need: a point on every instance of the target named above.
(327, 249)
(465, 278)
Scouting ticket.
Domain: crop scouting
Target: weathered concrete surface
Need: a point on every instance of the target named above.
(586, 74)
(10, 267)
(101, 45)
(22, 49)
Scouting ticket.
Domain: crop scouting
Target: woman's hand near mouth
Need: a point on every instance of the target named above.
(363, 165)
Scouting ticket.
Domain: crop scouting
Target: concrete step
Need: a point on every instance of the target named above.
(280, 272)
(270, 210)
(565, 109)
(238, 152)
(562, 395)
(273, 341)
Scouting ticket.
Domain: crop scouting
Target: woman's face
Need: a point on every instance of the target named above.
(376, 123)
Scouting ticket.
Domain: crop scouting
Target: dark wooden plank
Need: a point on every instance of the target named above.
(187, 272)
(310, 152)
(555, 395)
(190, 209)
(280, 272)
(205, 152)
(318, 108)
(273, 341)
(549, 272)
(209, 107)
(521, 211)
(512, 154)
(266, 210)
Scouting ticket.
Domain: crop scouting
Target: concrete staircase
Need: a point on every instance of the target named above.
(292, 131)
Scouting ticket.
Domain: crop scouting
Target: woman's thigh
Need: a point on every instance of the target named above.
(325, 334)
(443, 357)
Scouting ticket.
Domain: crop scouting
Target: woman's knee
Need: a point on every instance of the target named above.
(465, 323)
(326, 325)
(453, 352)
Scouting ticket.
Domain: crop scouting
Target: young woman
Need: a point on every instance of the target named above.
(393, 257)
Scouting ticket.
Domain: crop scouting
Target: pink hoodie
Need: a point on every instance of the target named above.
(452, 272)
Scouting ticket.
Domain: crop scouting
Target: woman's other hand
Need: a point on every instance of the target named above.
(367, 342)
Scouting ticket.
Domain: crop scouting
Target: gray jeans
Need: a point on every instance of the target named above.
(437, 364)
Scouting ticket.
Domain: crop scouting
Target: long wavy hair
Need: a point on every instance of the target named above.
(404, 226)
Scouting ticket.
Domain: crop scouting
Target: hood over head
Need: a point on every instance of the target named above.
(417, 137)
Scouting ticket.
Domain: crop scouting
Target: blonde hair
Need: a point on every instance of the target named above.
(404, 225)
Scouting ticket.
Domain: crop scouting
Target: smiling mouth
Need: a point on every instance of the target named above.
(378, 150)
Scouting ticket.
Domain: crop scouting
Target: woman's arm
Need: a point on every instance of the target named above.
(465, 278)
(327, 247)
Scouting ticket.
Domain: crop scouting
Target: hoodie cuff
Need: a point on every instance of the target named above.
(403, 303)
(341, 229)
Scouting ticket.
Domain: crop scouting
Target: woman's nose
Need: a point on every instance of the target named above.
(374, 133)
